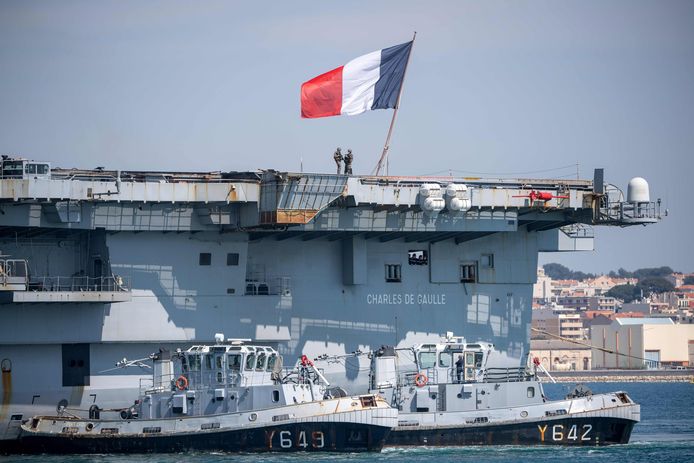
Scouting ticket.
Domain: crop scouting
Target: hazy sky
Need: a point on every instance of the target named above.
(493, 87)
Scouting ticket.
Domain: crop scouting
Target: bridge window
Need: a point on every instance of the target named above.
(468, 272)
(194, 362)
(260, 364)
(393, 273)
(417, 257)
(271, 362)
(234, 362)
(250, 361)
(427, 360)
(12, 169)
(445, 359)
(205, 258)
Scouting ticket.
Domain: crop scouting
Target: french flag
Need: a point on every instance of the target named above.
(372, 81)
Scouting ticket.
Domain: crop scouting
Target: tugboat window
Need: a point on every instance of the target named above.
(445, 359)
(235, 362)
(194, 362)
(208, 361)
(393, 274)
(427, 360)
(531, 392)
(250, 361)
(275, 396)
(205, 258)
(260, 364)
(271, 362)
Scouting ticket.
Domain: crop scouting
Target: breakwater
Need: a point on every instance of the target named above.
(624, 376)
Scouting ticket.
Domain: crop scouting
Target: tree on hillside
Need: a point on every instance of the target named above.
(655, 285)
(627, 293)
(561, 272)
(624, 273)
(557, 271)
(689, 280)
(652, 272)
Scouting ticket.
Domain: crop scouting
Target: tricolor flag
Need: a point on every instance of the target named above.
(372, 81)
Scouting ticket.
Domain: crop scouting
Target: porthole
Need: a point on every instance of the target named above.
(252, 417)
(524, 414)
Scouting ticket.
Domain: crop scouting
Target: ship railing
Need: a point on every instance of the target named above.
(409, 378)
(115, 283)
(163, 383)
(273, 286)
(216, 377)
(505, 375)
(578, 230)
(13, 272)
(626, 213)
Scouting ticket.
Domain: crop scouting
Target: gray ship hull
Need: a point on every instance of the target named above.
(300, 437)
(590, 431)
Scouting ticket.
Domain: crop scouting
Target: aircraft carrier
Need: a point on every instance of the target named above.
(100, 265)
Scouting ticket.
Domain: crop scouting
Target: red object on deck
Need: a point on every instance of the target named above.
(540, 196)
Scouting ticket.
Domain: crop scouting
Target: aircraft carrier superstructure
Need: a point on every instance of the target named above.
(99, 265)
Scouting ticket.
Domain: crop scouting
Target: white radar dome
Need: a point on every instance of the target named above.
(637, 191)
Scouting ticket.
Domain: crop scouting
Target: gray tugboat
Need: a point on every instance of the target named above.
(460, 393)
(229, 397)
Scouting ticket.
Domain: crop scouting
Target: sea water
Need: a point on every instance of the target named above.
(665, 434)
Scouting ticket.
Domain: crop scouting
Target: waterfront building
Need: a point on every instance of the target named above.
(642, 343)
(559, 355)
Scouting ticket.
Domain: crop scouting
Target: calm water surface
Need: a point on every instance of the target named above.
(665, 434)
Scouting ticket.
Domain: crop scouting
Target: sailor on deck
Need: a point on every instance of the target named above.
(459, 367)
(338, 159)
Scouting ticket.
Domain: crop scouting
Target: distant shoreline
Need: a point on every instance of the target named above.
(622, 376)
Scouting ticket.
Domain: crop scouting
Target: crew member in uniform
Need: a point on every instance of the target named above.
(338, 159)
(348, 162)
(459, 367)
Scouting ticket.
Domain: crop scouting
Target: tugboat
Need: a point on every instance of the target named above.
(230, 397)
(457, 393)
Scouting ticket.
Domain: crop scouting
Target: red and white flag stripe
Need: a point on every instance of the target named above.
(371, 81)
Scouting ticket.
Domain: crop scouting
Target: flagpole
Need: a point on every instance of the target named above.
(386, 146)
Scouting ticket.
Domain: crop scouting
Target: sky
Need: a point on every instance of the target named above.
(494, 88)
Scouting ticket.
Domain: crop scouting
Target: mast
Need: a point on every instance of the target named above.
(384, 155)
